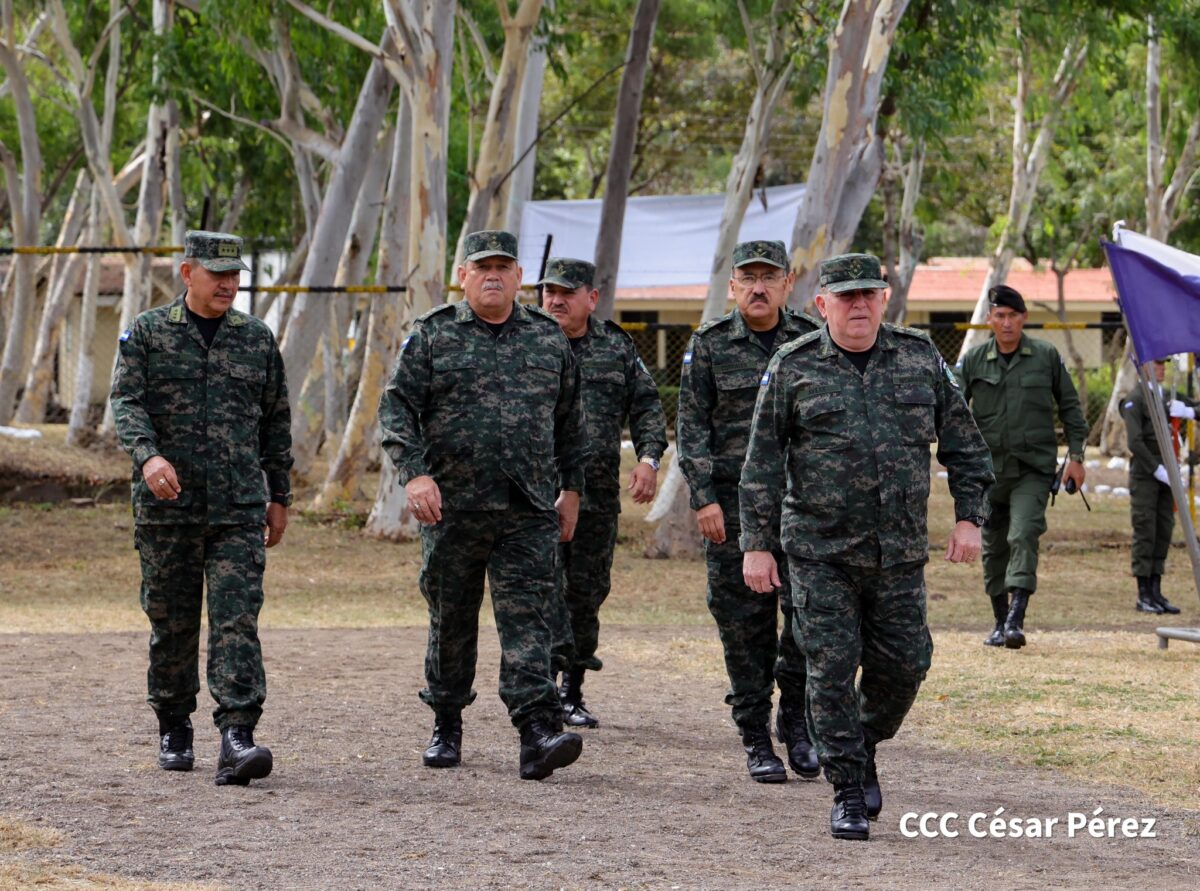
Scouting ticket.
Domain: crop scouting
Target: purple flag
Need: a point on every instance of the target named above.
(1159, 291)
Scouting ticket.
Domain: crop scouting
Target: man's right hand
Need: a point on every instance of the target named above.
(160, 477)
(424, 499)
(712, 523)
(760, 571)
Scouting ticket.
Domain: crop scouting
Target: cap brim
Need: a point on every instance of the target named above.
(858, 284)
(221, 264)
(766, 260)
(483, 255)
(561, 282)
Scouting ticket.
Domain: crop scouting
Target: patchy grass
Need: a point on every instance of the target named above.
(45, 877)
(16, 836)
(51, 458)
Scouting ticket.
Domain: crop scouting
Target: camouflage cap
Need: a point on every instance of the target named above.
(568, 273)
(489, 243)
(773, 253)
(215, 251)
(851, 272)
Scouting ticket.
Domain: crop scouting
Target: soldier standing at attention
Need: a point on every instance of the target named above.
(842, 431)
(200, 403)
(616, 386)
(1151, 503)
(484, 423)
(1014, 384)
(721, 370)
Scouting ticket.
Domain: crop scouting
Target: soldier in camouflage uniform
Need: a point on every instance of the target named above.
(1151, 502)
(842, 430)
(1013, 383)
(719, 384)
(616, 386)
(484, 423)
(201, 405)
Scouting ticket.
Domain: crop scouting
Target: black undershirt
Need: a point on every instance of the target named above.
(576, 341)
(767, 338)
(1007, 357)
(858, 358)
(495, 327)
(206, 327)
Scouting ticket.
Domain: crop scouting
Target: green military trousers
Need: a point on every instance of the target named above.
(1152, 512)
(757, 653)
(514, 548)
(850, 616)
(1011, 534)
(584, 579)
(176, 562)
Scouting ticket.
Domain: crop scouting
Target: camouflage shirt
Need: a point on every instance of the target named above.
(849, 452)
(616, 386)
(718, 386)
(1014, 403)
(219, 414)
(478, 412)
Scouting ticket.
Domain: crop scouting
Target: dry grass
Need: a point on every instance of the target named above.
(16, 836)
(51, 458)
(21, 877)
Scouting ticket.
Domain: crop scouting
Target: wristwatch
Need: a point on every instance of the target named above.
(1075, 456)
(653, 462)
(977, 520)
(285, 500)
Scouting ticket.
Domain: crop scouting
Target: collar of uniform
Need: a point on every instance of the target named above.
(742, 330)
(177, 315)
(993, 350)
(463, 313)
(885, 340)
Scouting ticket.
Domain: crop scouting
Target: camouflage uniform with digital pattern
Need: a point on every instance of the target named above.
(718, 387)
(617, 387)
(849, 455)
(219, 414)
(497, 422)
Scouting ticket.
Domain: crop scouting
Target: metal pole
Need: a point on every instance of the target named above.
(253, 276)
(542, 268)
(1162, 434)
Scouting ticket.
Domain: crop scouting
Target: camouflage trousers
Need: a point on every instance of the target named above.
(1012, 533)
(583, 581)
(514, 548)
(847, 617)
(757, 654)
(1152, 512)
(176, 563)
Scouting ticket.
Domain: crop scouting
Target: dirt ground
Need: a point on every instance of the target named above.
(660, 798)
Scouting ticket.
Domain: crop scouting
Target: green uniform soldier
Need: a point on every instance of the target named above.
(721, 370)
(483, 421)
(1013, 384)
(616, 386)
(200, 403)
(842, 432)
(1151, 504)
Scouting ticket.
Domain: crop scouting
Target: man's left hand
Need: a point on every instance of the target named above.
(277, 520)
(1074, 471)
(642, 483)
(567, 506)
(965, 542)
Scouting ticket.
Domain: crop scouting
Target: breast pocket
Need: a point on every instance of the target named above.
(1036, 392)
(245, 390)
(915, 412)
(174, 385)
(454, 376)
(823, 422)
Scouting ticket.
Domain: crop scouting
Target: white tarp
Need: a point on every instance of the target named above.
(667, 240)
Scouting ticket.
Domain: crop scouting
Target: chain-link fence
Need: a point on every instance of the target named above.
(1095, 347)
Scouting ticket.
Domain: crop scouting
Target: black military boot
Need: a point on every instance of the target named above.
(175, 745)
(871, 791)
(1000, 612)
(848, 819)
(445, 746)
(1146, 602)
(1014, 632)
(575, 712)
(1156, 593)
(762, 762)
(792, 731)
(544, 749)
(241, 760)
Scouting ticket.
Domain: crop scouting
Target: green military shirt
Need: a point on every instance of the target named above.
(479, 412)
(218, 413)
(721, 370)
(616, 386)
(849, 453)
(1014, 405)
(1139, 430)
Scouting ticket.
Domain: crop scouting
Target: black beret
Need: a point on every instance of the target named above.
(1003, 295)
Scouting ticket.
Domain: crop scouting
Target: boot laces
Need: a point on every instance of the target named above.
(853, 801)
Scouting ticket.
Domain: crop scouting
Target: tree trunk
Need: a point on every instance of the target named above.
(620, 155)
(848, 159)
(78, 429)
(908, 239)
(490, 182)
(675, 535)
(1028, 162)
(521, 185)
(64, 278)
